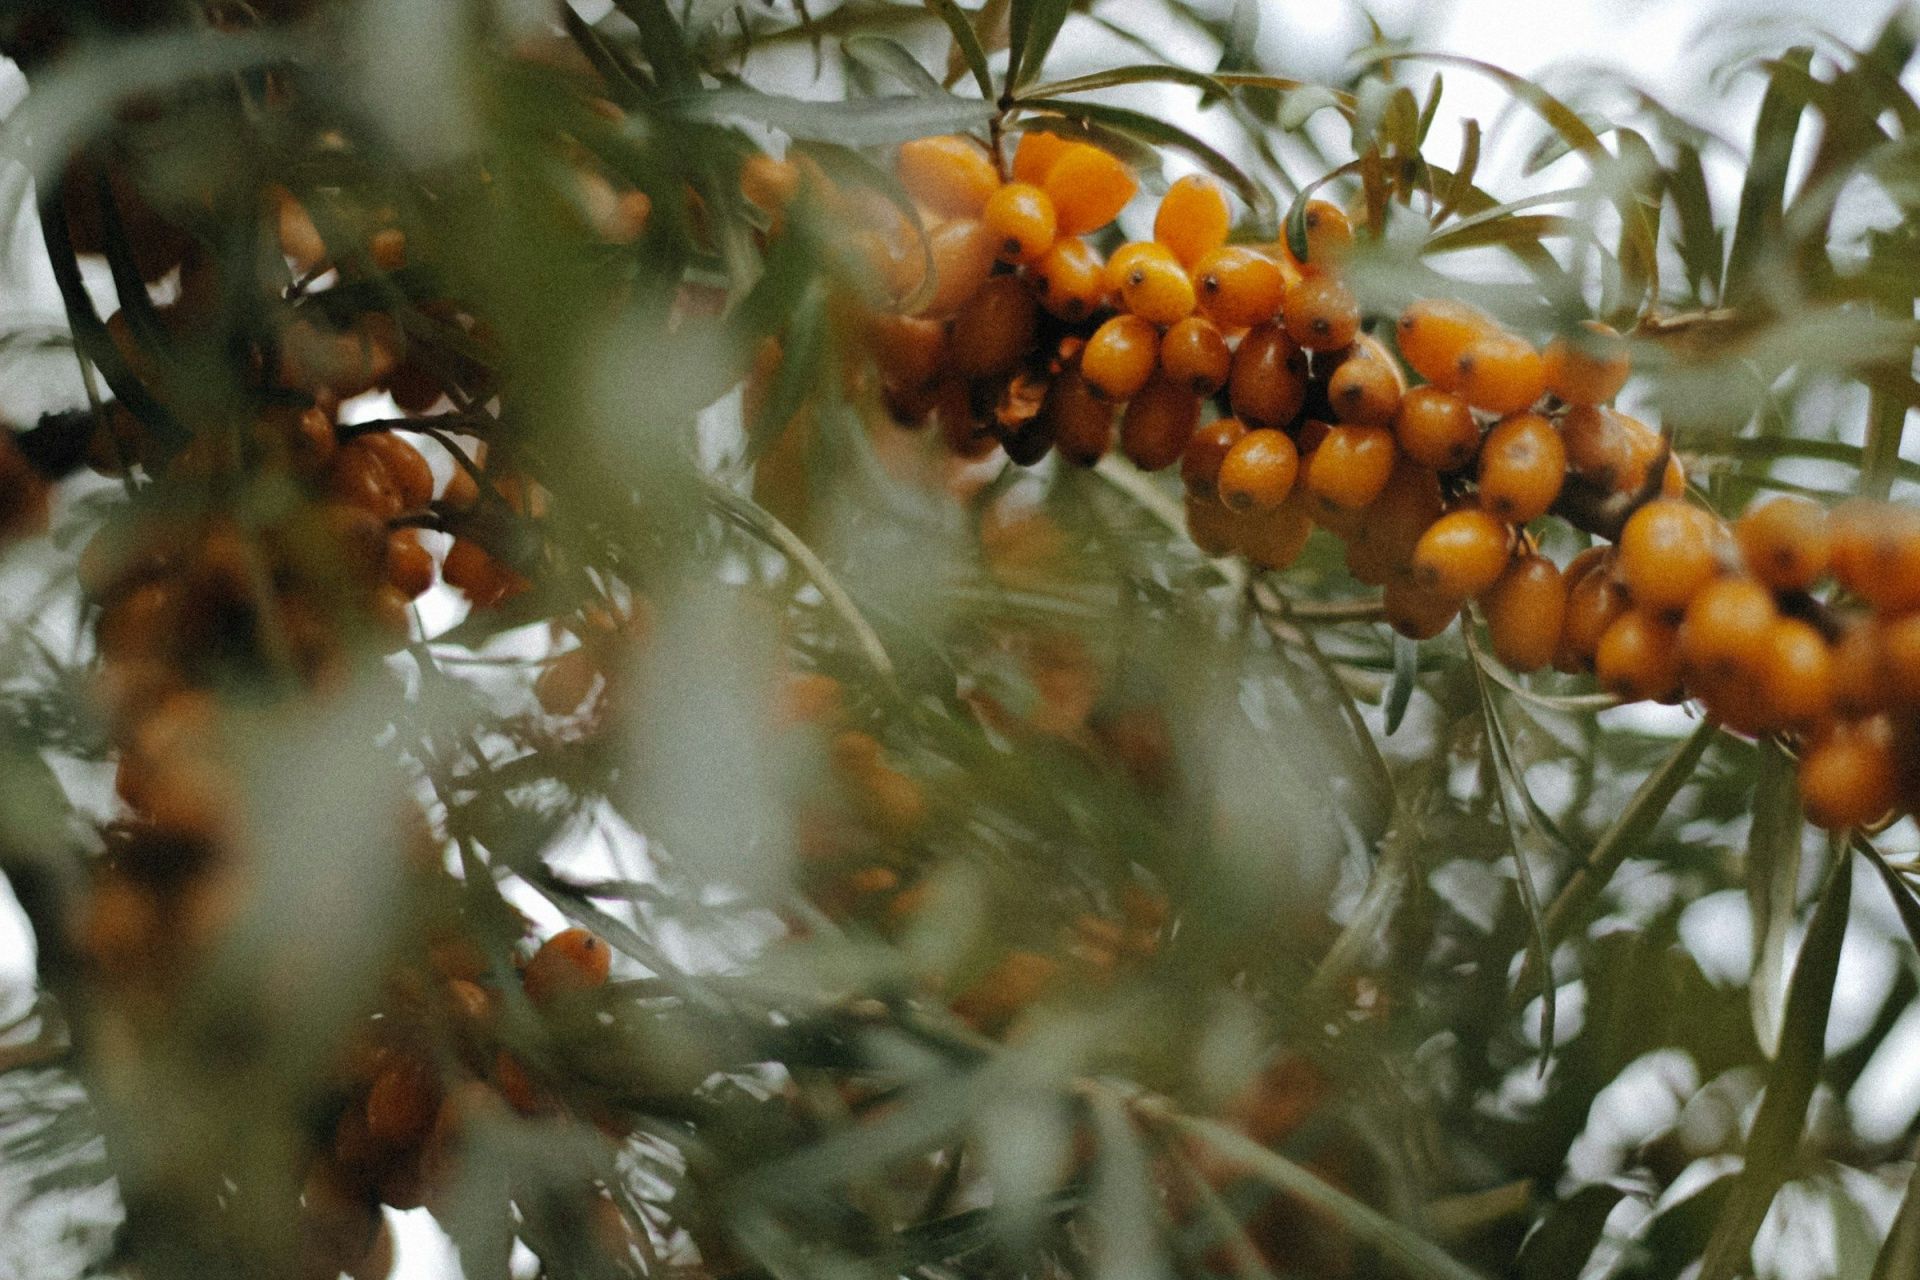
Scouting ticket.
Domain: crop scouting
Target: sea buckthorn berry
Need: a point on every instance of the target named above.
(1194, 354)
(1463, 553)
(1417, 612)
(1595, 599)
(1258, 472)
(1275, 538)
(1205, 452)
(911, 351)
(963, 255)
(1367, 388)
(1088, 187)
(359, 477)
(1211, 526)
(1860, 685)
(1725, 631)
(995, 330)
(410, 473)
(1082, 421)
(1525, 610)
(1897, 650)
(1159, 421)
(1436, 429)
(1329, 232)
(769, 184)
(1876, 554)
(952, 174)
(1321, 312)
(1796, 672)
(1351, 467)
(1500, 372)
(1193, 218)
(1435, 332)
(1268, 383)
(1522, 466)
(1120, 357)
(1122, 260)
(402, 1102)
(1667, 553)
(566, 683)
(1021, 218)
(1071, 278)
(388, 248)
(571, 960)
(1848, 776)
(409, 565)
(1589, 366)
(1784, 542)
(1155, 286)
(1238, 287)
(300, 241)
(1406, 508)
(1035, 155)
(1638, 658)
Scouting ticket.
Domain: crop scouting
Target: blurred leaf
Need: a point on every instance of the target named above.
(1406, 663)
(1900, 1255)
(889, 56)
(861, 122)
(1141, 74)
(966, 44)
(1701, 242)
(1905, 901)
(1032, 29)
(1775, 1137)
(1560, 1246)
(1773, 886)
(1461, 183)
(664, 44)
(1763, 194)
(1124, 1203)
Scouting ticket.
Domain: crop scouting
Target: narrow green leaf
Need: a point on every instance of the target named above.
(1409, 1252)
(1624, 836)
(1701, 243)
(664, 44)
(1764, 191)
(1141, 73)
(1770, 447)
(1302, 104)
(889, 57)
(862, 122)
(1905, 901)
(1777, 1128)
(1406, 663)
(1506, 230)
(1150, 129)
(966, 43)
(1563, 1242)
(1429, 111)
(1461, 184)
(1773, 880)
(803, 349)
(1900, 1255)
(1031, 32)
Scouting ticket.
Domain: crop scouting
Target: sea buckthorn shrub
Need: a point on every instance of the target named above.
(911, 667)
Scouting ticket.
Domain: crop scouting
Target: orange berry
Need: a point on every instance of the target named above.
(1210, 526)
(409, 471)
(1500, 372)
(1021, 218)
(1796, 672)
(1123, 258)
(1367, 388)
(1071, 279)
(911, 351)
(1595, 599)
(1667, 553)
(1522, 466)
(1876, 554)
(1351, 466)
(402, 1102)
(1897, 661)
(1200, 462)
(1321, 312)
(1383, 539)
(1784, 542)
(1725, 631)
(1329, 232)
(1258, 472)
(1089, 188)
(300, 241)
(1860, 683)
(1612, 451)
(1416, 612)
(963, 255)
(1159, 421)
(1035, 155)
(1435, 332)
(1155, 286)
(1268, 383)
(1120, 357)
(1272, 539)
(769, 184)
(388, 249)
(1436, 429)
(571, 960)
(1194, 354)
(409, 565)
(1238, 287)
(1525, 610)
(566, 683)
(951, 175)
(1589, 366)
(995, 330)
(1848, 777)
(1193, 218)
(1463, 553)
(1638, 658)
(1082, 421)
